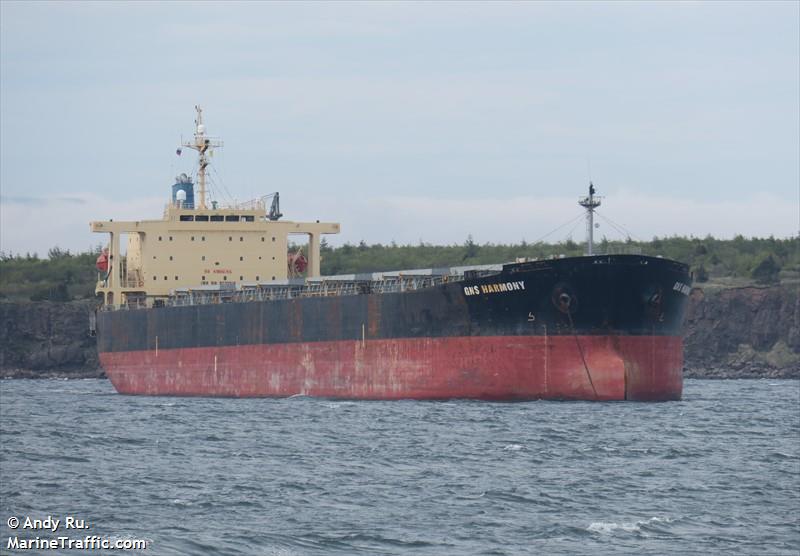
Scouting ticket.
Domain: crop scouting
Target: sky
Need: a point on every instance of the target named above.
(406, 121)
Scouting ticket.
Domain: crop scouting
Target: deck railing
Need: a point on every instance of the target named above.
(333, 288)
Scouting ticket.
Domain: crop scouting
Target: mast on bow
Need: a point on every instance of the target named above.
(590, 203)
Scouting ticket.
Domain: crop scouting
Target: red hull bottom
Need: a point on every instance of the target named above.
(645, 368)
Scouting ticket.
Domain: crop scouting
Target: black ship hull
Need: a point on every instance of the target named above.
(601, 327)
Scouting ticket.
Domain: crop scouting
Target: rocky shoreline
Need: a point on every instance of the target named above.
(40, 374)
(43, 339)
(748, 332)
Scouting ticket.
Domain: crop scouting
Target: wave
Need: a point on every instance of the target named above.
(605, 527)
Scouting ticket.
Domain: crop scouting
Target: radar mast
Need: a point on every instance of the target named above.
(204, 146)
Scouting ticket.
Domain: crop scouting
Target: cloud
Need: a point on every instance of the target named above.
(436, 220)
(21, 200)
(32, 224)
(71, 200)
(64, 222)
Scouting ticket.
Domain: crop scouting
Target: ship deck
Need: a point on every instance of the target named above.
(396, 281)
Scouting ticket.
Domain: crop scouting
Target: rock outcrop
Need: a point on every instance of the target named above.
(751, 332)
(44, 339)
(747, 332)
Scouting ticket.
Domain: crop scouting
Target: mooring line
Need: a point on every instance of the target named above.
(580, 350)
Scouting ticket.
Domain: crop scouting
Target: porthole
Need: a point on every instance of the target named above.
(165, 278)
(258, 278)
(230, 238)
(241, 238)
(170, 257)
(241, 258)
(273, 238)
(203, 258)
(176, 278)
(262, 239)
(241, 278)
(159, 238)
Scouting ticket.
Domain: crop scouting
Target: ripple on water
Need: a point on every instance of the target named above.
(718, 472)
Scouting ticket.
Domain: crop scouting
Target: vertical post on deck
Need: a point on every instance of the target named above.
(313, 255)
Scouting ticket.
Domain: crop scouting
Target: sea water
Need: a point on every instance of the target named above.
(716, 473)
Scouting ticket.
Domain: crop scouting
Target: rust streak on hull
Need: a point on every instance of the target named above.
(645, 368)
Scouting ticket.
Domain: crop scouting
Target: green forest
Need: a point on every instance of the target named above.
(63, 276)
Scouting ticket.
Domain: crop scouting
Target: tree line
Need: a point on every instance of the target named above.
(63, 275)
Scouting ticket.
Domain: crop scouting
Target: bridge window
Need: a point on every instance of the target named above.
(217, 218)
(231, 218)
(176, 278)
(186, 218)
(248, 218)
(201, 218)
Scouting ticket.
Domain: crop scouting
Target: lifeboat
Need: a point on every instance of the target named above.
(102, 261)
(297, 263)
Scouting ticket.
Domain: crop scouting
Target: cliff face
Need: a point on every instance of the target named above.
(743, 332)
(44, 339)
(732, 333)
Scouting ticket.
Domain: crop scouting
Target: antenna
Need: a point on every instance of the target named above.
(204, 145)
(590, 203)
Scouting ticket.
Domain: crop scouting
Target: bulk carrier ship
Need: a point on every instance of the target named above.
(208, 301)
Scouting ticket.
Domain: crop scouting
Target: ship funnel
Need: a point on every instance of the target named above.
(183, 191)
